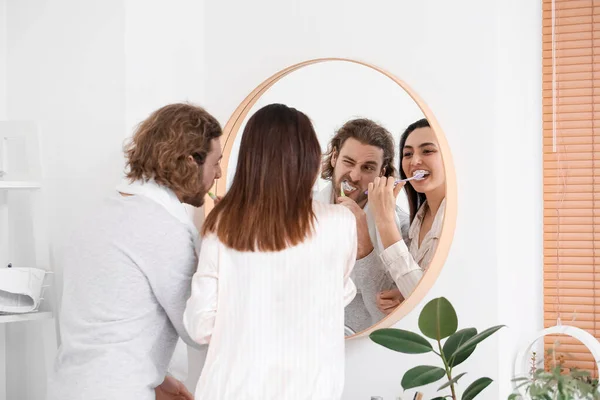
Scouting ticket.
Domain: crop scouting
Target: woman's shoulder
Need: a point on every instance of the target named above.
(334, 213)
(210, 239)
(336, 225)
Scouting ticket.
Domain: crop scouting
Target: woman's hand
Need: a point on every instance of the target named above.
(382, 199)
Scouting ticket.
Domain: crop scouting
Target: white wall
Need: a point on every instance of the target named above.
(3, 99)
(517, 128)
(164, 49)
(476, 64)
(3, 60)
(89, 71)
(66, 69)
(72, 82)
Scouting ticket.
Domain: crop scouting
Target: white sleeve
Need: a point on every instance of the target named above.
(201, 308)
(349, 286)
(403, 268)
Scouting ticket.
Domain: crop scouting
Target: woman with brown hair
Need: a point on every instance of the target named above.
(274, 272)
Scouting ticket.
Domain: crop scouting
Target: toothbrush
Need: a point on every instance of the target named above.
(344, 185)
(418, 176)
(212, 196)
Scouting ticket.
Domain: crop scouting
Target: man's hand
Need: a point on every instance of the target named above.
(172, 389)
(388, 300)
(365, 246)
(216, 199)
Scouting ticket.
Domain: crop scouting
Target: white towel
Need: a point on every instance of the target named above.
(166, 198)
(20, 289)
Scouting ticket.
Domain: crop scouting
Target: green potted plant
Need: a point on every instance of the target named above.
(438, 321)
(555, 381)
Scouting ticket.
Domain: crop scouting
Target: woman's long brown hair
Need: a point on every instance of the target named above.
(269, 204)
(415, 199)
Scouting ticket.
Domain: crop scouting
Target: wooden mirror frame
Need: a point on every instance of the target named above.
(234, 123)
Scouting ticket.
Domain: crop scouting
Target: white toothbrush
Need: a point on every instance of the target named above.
(345, 187)
(420, 175)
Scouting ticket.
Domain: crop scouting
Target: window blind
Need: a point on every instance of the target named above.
(571, 146)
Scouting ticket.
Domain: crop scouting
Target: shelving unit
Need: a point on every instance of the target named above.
(33, 316)
(21, 186)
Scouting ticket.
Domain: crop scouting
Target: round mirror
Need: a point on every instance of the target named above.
(365, 108)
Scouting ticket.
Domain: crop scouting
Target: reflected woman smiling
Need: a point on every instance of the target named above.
(419, 153)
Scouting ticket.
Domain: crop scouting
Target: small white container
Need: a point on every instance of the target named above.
(21, 289)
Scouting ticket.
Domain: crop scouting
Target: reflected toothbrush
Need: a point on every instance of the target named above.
(418, 175)
(345, 187)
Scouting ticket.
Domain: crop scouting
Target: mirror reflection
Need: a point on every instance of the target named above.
(371, 132)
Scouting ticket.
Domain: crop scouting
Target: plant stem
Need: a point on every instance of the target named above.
(448, 370)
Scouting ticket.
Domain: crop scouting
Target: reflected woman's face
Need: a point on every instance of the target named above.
(421, 152)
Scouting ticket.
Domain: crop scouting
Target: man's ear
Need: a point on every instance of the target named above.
(197, 159)
(382, 172)
(334, 156)
(191, 161)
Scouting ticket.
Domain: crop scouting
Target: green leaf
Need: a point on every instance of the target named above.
(401, 341)
(475, 388)
(454, 380)
(475, 340)
(422, 375)
(438, 319)
(454, 343)
(523, 385)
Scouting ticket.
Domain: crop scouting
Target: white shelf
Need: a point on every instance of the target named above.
(33, 316)
(20, 185)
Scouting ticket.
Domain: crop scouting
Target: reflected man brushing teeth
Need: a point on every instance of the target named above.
(359, 152)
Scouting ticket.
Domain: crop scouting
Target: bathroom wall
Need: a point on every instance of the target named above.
(3, 59)
(66, 69)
